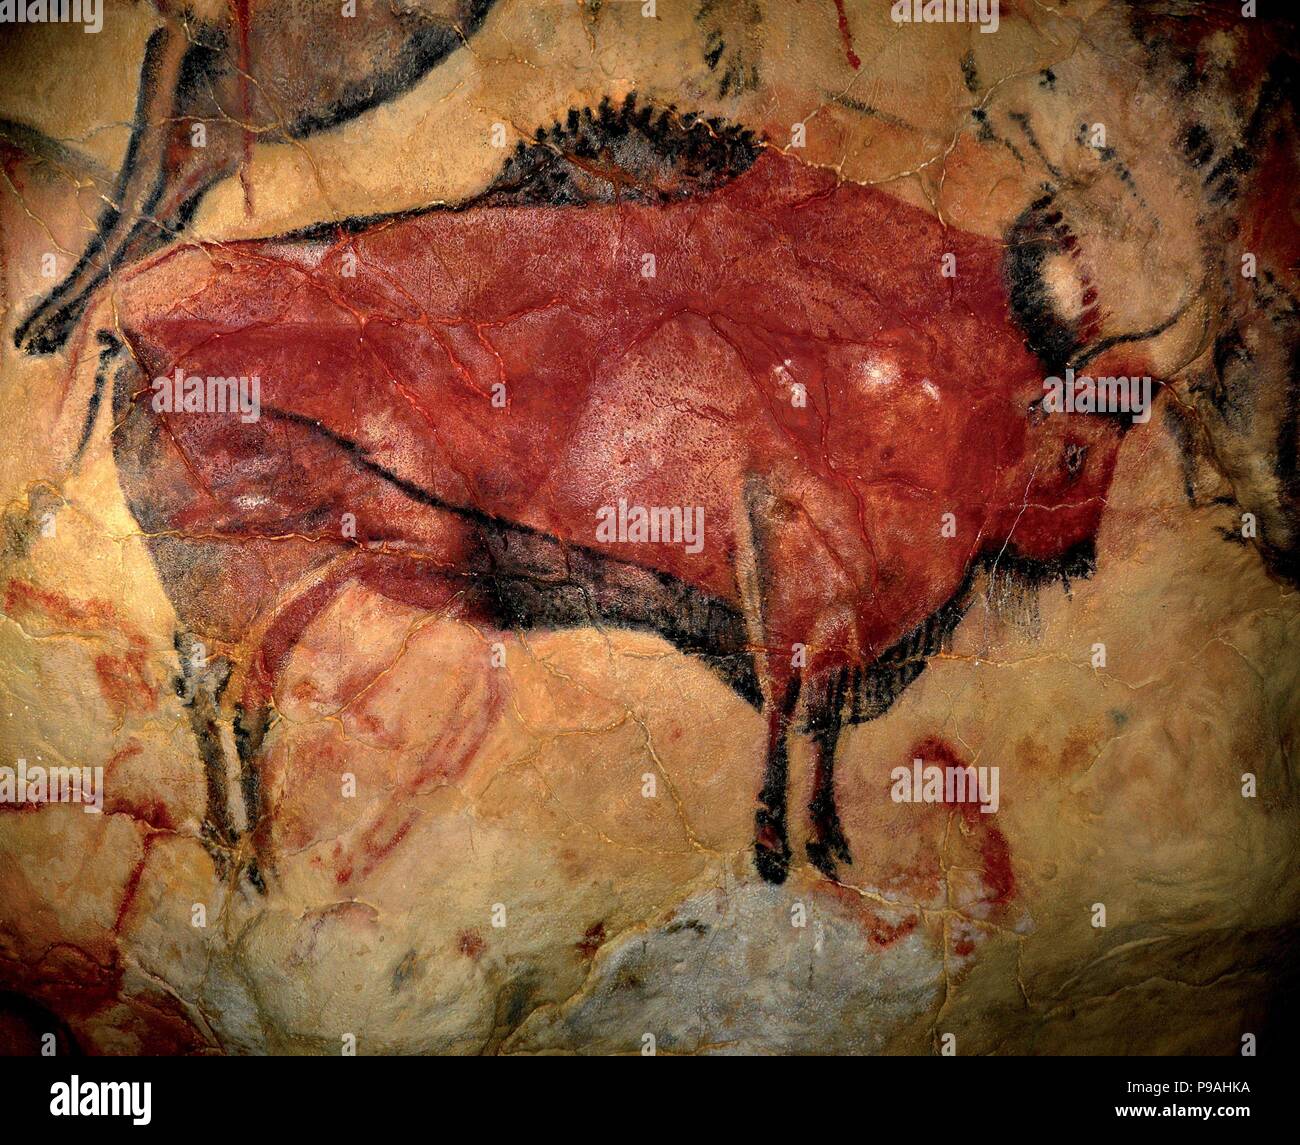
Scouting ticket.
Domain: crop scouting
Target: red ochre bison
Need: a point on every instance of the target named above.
(644, 310)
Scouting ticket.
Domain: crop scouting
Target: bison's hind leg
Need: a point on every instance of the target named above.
(200, 686)
(251, 725)
(267, 652)
(825, 719)
(271, 646)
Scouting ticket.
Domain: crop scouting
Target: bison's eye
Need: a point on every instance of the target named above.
(1075, 456)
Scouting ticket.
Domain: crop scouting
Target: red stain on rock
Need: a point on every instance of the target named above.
(376, 845)
(998, 876)
(72, 994)
(130, 751)
(305, 691)
(12, 159)
(132, 889)
(24, 597)
(371, 727)
(847, 36)
(881, 933)
(470, 943)
(125, 679)
(995, 852)
(343, 871)
(446, 761)
(151, 811)
(592, 940)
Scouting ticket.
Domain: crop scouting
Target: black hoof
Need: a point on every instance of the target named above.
(839, 845)
(773, 865)
(828, 843)
(771, 847)
(253, 873)
(219, 848)
(819, 854)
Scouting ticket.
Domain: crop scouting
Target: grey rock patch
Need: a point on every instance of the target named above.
(729, 973)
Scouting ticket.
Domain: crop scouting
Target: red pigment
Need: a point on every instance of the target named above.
(847, 36)
(672, 390)
(882, 934)
(125, 680)
(995, 851)
(592, 940)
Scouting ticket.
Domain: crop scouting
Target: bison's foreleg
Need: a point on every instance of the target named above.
(825, 718)
(771, 845)
(766, 540)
